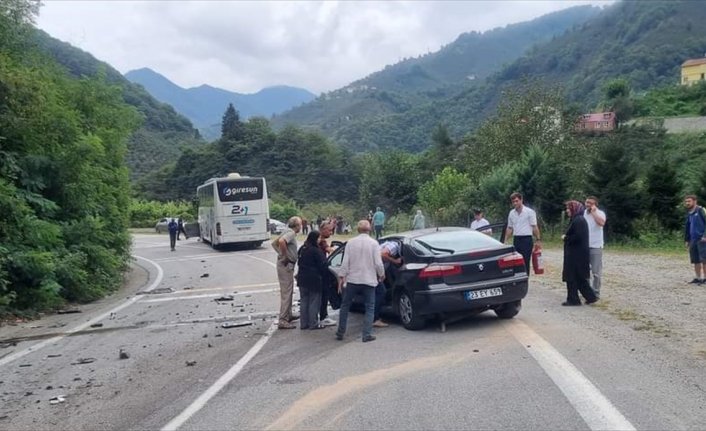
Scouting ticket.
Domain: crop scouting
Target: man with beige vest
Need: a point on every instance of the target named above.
(286, 247)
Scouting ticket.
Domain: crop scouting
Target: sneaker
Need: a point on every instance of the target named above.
(369, 338)
(286, 326)
(380, 324)
(696, 281)
(570, 304)
(329, 322)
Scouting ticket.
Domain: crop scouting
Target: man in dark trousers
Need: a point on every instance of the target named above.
(173, 230)
(521, 225)
(695, 238)
(181, 230)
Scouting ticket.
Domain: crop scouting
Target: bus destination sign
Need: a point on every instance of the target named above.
(240, 190)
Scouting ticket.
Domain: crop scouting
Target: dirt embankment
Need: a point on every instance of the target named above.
(649, 292)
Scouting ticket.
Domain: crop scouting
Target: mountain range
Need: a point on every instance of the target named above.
(644, 42)
(403, 87)
(204, 105)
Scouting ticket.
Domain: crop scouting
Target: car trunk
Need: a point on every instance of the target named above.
(476, 266)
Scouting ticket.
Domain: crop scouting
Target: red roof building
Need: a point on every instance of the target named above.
(596, 122)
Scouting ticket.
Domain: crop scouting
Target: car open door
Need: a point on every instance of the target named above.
(334, 261)
(495, 230)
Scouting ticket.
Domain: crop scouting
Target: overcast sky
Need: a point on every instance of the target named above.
(245, 46)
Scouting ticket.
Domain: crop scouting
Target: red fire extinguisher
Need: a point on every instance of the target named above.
(537, 261)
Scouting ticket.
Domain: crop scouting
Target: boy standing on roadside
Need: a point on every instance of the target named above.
(695, 239)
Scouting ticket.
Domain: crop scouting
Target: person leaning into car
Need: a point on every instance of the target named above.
(522, 224)
(362, 269)
(390, 254)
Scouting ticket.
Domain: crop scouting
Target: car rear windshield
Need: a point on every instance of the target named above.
(452, 242)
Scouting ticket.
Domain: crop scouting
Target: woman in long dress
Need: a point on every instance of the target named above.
(310, 279)
(576, 271)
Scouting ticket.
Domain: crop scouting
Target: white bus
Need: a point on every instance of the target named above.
(234, 209)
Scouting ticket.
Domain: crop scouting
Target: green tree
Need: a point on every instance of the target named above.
(231, 126)
(389, 180)
(613, 178)
(445, 197)
(617, 98)
(663, 194)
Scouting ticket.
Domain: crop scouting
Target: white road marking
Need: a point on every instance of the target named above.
(208, 295)
(595, 409)
(205, 397)
(81, 327)
(211, 289)
(262, 260)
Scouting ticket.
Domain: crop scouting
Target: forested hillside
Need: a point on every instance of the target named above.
(64, 187)
(645, 42)
(163, 132)
(204, 105)
(400, 88)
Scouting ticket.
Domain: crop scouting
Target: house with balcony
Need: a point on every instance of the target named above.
(693, 71)
(597, 122)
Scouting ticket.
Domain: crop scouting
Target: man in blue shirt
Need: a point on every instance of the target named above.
(173, 229)
(695, 239)
(378, 222)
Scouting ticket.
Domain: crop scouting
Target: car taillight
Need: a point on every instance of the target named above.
(511, 260)
(436, 270)
(218, 229)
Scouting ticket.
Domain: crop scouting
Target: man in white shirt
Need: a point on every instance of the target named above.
(521, 225)
(596, 220)
(361, 271)
(479, 221)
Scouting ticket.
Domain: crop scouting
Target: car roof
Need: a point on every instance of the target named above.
(412, 234)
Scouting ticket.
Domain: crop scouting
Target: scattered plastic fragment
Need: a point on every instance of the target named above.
(97, 325)
(190, 363)
(235, 324)
(123, 354)
(57, 400)
(82, 361)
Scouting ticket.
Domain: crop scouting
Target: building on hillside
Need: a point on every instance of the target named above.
(597, 122)
(693, 71)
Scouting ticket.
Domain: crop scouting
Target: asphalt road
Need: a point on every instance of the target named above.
(549, 368)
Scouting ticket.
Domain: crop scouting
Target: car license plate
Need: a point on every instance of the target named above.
(484, 293)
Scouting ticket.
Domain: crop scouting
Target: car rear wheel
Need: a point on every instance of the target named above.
(407, 312)
(508, 310)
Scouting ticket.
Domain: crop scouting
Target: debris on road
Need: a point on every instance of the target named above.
(97, 325)
(82, 361)
(25, 365)
(204, 275)
(123, 354)
(157, 291)
(190, 363)
(57, 400)
(209, 345)
(69, 311)
(235, 324)
(112, 316)
(225, 298)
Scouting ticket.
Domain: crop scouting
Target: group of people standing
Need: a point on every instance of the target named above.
(583, 244)
(362, 271)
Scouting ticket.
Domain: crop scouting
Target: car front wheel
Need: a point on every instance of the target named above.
(408, 313)
(508, 310)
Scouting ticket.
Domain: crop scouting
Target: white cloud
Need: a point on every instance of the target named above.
(245, 46)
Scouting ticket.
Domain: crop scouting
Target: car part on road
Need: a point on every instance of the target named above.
(82, 361)
(71, 311)
(509, 310)
(235, 324)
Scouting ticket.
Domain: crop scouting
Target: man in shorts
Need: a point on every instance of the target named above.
(694, 238)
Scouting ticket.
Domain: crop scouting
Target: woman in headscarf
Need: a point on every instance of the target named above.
(311, 276)
(576, 272)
